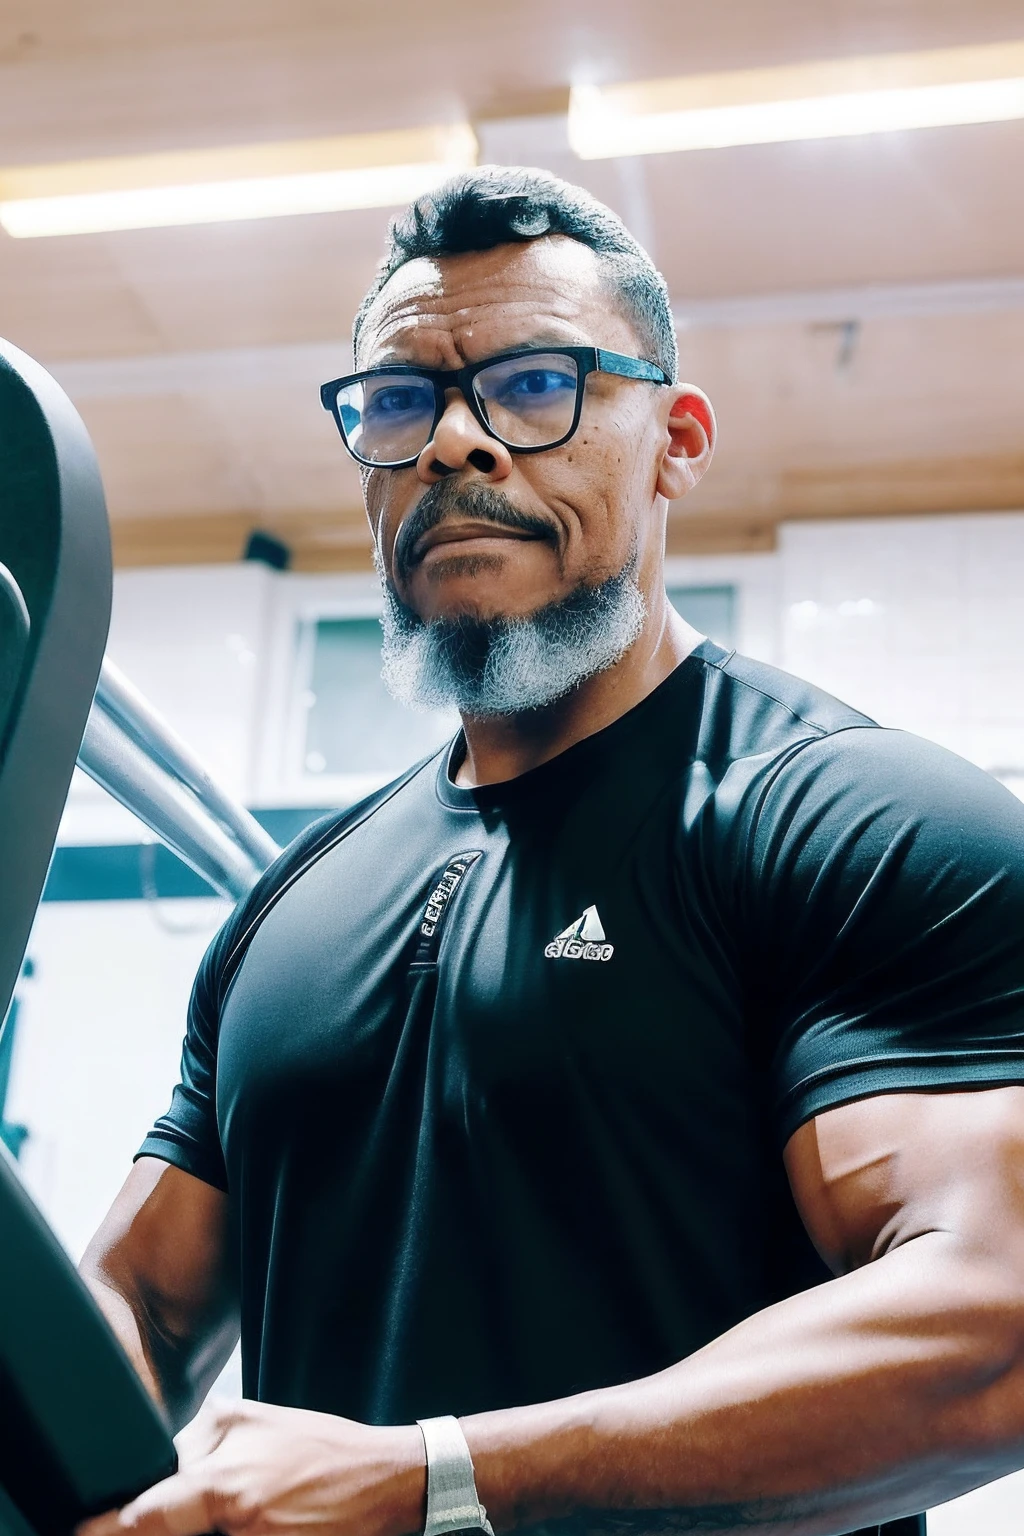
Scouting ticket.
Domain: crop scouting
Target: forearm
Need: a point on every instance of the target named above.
(125, 1325)
(176, 1371)
(879, 1394)
(158, 1270)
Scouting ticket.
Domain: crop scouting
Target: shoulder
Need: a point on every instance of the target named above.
(789, 738)
(892, 776)
(226, 953)
(767, 701)
(884, 898)
(866, 817)
(751, 720)
(795, 777)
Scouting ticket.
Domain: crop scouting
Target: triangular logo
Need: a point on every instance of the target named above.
(589, 927)
(585, 939)
(586, 927)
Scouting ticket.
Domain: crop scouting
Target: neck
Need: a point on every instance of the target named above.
(503, 747)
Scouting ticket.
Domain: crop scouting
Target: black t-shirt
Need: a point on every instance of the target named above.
(498, 1079)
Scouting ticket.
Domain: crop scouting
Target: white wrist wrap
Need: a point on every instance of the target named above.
(453, 1503)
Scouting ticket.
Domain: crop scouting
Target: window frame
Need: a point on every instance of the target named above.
(300, 603)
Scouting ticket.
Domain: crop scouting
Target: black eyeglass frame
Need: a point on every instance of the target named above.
(588, 360)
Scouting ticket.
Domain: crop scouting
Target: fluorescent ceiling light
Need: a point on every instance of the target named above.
(827, 100)
(372, 170)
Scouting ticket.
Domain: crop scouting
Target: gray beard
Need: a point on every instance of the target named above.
(506, 666)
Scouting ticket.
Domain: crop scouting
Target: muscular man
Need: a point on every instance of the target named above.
(639, 1079)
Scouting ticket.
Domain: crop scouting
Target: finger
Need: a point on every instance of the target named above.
(179, 1506)
(108, 1524)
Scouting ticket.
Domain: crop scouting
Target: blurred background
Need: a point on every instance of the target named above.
(193, 199)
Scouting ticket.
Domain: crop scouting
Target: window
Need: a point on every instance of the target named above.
(712, 610)
(353, 725)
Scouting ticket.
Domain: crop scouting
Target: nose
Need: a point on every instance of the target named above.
(459, 440)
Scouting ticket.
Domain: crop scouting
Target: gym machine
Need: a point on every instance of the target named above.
(78, 1433)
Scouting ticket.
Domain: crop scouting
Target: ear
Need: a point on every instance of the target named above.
(692, 433)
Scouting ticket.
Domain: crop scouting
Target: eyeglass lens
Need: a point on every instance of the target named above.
(388, 417)
(529, 402)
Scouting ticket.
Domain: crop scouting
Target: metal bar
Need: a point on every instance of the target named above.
(124, 769)
(131, 751)
(133, 713)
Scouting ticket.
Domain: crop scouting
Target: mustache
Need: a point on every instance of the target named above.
(476, 501)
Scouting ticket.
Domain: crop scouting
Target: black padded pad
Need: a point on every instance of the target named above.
(80, 1434)
(15, 627)
(54, 612)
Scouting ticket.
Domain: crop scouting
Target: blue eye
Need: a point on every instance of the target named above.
(537, 384)
(399, 400)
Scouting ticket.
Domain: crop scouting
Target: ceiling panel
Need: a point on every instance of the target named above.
(82, 79)
(911, 414)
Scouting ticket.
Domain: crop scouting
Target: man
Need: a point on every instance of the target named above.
(502, 1092)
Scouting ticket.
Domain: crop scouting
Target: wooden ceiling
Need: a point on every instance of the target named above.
(854, 307)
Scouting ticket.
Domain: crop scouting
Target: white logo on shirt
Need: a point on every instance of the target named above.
(582, 940)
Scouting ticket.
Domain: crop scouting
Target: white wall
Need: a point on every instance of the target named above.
(757, 579)
(195, 640)
(917, 622)
(97, 1045)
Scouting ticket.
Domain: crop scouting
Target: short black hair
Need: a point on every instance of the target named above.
(500, 204)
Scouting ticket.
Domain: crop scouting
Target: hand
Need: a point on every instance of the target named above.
(260, 1470)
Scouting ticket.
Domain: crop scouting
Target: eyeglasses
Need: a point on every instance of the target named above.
(529, 400)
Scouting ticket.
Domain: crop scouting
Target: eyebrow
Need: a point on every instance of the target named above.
(540, 341)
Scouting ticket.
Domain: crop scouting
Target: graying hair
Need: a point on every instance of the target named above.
(508, 666)
(501, 204)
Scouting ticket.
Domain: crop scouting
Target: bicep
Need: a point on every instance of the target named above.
(163, 1246)
(874, 1174)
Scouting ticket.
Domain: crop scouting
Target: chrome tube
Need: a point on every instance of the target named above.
(132, 711)
(131, 751)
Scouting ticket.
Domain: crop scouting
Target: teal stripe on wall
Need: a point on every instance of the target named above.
(148, 871)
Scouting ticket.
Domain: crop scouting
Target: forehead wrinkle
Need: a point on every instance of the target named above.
(442, 329)
(450, 331)
(442, 301)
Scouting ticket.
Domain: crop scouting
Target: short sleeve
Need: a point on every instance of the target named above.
(883, 906)
(187, 1135)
